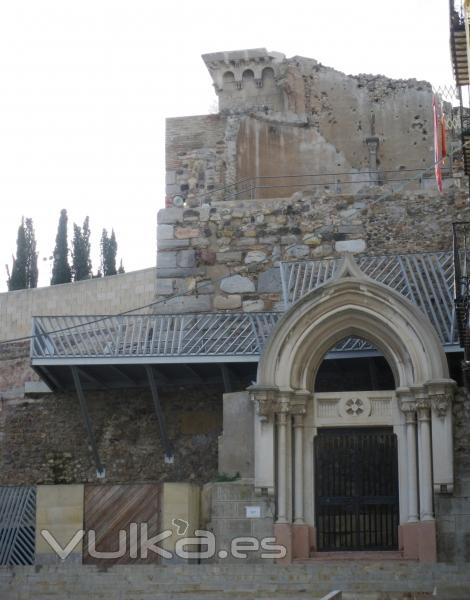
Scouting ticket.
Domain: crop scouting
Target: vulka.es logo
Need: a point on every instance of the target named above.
(201, 546)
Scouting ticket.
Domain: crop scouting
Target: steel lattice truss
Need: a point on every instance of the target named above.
(425, 279)
(208, 335)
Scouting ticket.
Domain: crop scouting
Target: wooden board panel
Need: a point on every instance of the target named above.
(110, 509)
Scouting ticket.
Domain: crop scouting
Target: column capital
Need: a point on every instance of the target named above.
(298, 402)
(272, 400)
(424, 411)
(423, 404)
(441, 394)
(264, 397)
(407, 403)
(409, 409)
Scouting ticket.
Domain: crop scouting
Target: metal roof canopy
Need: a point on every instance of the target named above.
(137, 351)
(112, 351)
(135, 375)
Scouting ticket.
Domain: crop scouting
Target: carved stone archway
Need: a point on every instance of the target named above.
(352, 304)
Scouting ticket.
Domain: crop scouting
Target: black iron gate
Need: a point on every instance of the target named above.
(356, 489)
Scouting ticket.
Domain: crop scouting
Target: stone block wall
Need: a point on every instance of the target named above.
(101, 296)
(236, 444)
(225, 256)
(229, 519)
(59, 510)
(180, 513)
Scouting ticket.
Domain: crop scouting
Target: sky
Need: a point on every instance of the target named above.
(85, 88)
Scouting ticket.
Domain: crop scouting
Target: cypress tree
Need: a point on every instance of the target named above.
(31, 255)
(61, 272)
(121, 268)
(81, 261)
(112, 251)
(108, 253)
(18, 278)
(87, 245)
(104, 252)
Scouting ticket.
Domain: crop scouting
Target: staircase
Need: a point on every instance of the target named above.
(358, 580)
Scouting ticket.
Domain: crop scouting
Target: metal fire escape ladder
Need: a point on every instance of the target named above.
(458, 43)
(461, 233)
(459, 56)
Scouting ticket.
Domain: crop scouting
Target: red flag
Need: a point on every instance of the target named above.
(439, 141)
(443, 136)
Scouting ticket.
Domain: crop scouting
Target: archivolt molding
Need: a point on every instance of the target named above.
(352, 304)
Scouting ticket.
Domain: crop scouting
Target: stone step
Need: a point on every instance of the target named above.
(359, 580)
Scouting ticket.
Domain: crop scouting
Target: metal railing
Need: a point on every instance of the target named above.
(461, 239)
(207, 335)
(458, 42)
(425, 279)
(17, 525)
(271, 186)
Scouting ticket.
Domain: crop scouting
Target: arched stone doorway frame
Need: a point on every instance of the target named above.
(352, 304)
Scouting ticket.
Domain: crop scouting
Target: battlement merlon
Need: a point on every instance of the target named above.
(229, 67)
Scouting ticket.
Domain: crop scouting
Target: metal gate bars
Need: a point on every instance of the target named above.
(356, 489)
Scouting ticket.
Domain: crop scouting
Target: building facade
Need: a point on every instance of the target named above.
(296, 371)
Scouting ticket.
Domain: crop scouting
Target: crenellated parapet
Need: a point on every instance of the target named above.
(246, 79)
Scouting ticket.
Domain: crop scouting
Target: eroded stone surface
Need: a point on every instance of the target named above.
(237, 284)
(227, 302)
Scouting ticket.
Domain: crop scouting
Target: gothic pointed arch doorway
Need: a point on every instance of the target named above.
(293, 418)
(355, 459)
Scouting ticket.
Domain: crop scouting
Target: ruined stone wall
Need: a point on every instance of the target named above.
(195, 155)
(43, 439)
(346, 109)
(305, 118)
(229, 252)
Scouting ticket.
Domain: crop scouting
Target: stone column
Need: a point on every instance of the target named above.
(425, 460)
(298, 470)
(282, 467)
(410, 416)
(441, 393)
(373, 147)
(300, 530)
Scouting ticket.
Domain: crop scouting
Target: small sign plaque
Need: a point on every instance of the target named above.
(253, 512)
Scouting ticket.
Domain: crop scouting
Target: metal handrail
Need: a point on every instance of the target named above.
(250, 185)
(426, 279)
(141, 335)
